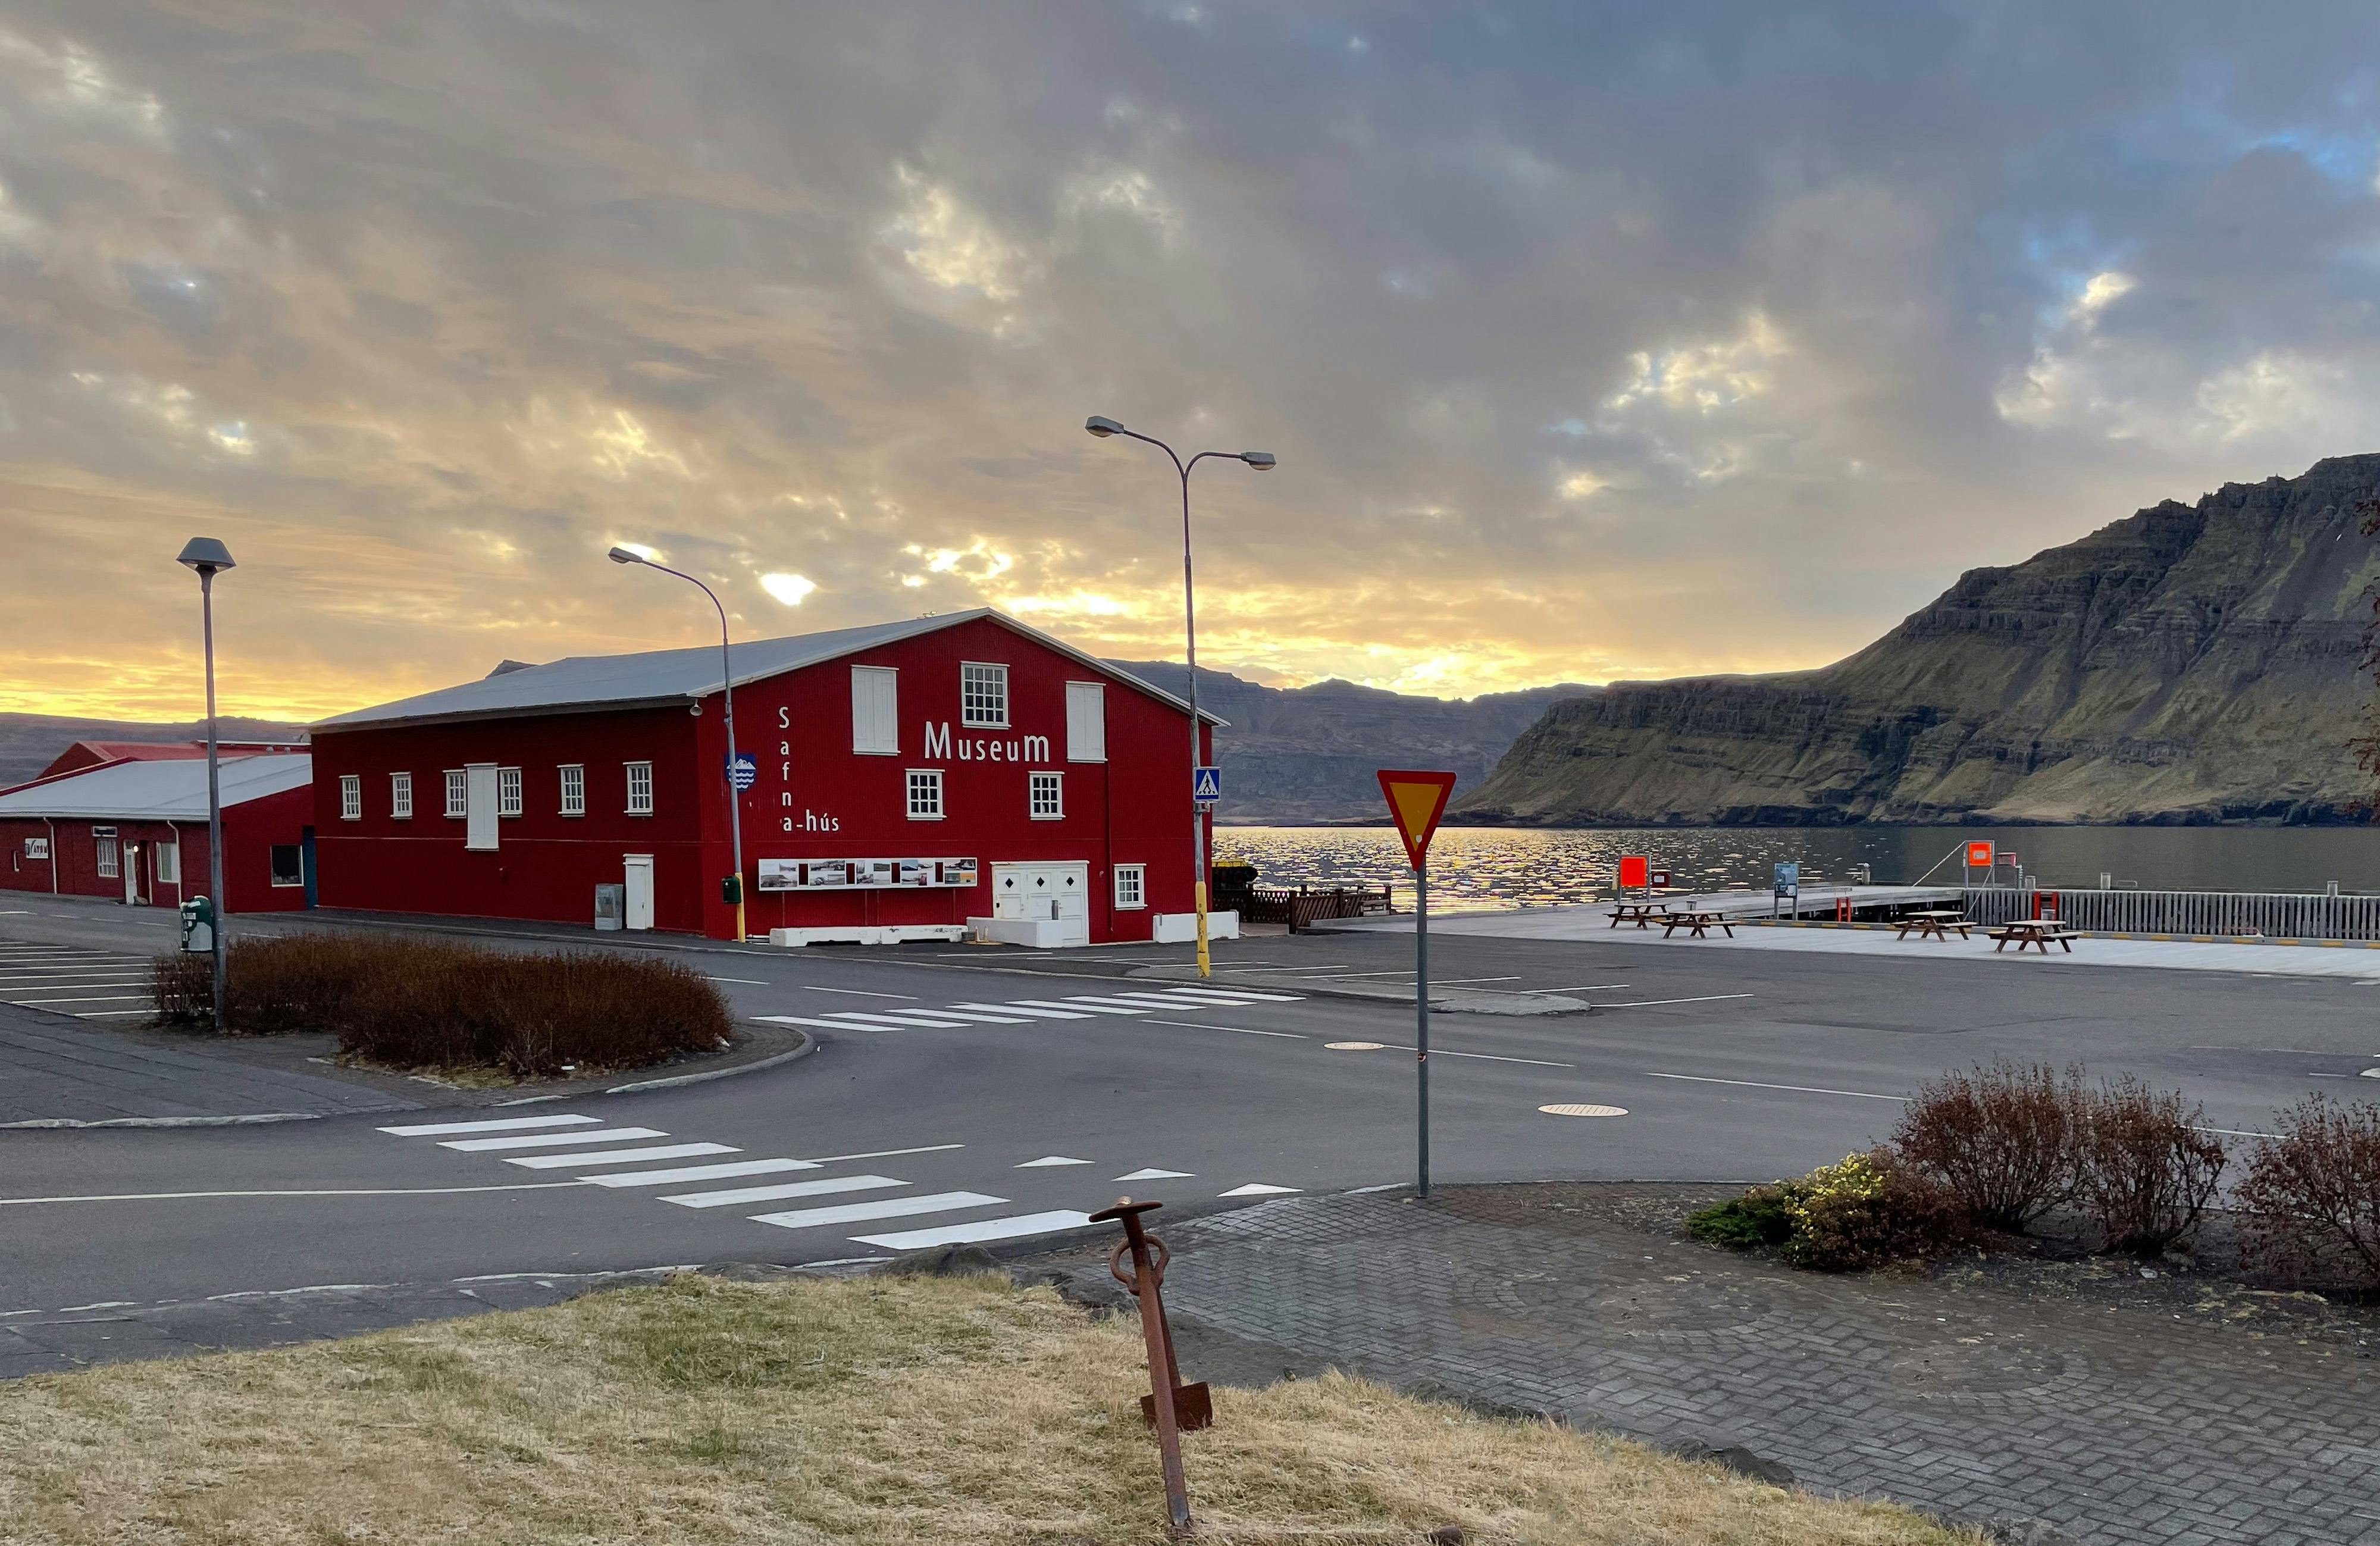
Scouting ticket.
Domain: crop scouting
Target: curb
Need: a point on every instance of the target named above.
(251, 1120)
(809, 1045)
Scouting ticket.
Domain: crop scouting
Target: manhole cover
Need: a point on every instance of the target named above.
(1577, 1110)
(1354, 1046)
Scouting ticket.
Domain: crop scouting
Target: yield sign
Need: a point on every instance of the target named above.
(1416, 800)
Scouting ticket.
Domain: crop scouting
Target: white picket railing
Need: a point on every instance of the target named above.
(2274, 914)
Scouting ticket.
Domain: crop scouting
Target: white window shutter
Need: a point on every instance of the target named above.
(480, 806)
(875, 709)
(1086, 722)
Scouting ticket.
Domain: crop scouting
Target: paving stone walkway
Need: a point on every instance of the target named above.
(2112, 1424)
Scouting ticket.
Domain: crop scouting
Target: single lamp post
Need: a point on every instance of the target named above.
(727, 690)
(1263, 462)
(209, 557)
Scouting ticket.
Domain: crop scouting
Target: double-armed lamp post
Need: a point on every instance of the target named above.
(1262, 461)
(735, 889)
(210, 558)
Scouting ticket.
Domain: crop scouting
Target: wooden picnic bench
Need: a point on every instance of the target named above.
(1642, 914)
(1699, 924)
(2037, 931)
(1935, 925)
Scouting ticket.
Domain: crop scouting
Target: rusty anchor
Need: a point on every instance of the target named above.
(1190, 1407)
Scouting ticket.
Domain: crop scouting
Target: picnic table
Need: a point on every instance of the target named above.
(1698, 923)
(1935, 924)
(1642, 914)
(2037, 931)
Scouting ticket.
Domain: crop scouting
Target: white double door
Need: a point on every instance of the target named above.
(1045, 891)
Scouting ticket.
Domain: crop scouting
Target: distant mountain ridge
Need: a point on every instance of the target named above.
(2189, 664)
(1309, 754)
(29, 742)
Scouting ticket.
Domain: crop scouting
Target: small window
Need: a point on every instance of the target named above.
(400, 795)
(508, 792)
(573, 789)
(640, 788)
(109, 866)
(351, 797)
(1132, 886)
(458, 788)
(983, 695)
(1048, 798)
(875, 711)
(288, 865)
(168, 858)
(925, 794)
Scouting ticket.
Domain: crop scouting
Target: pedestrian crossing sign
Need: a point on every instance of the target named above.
(1207, 784)
(1416, 800)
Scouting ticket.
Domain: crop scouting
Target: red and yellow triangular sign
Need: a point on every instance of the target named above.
(1416, 800)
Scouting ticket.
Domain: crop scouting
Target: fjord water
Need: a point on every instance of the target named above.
(1480, 868)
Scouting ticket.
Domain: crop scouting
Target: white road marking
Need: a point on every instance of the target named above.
(1351, 976)
(106, 1014)
(1153, 1174)
(1049, 1160)
(1647, 1003)
(887, 1154)
(1257, 1189)
(740, 981)
(1212, 993)
(1072, 1008)
(824, 1025)
(1031, 1008)
(1582, 987)
(824, 1186)
(319, 1191)
(700, 1173)
(442, 1130)
(1579, 1108)
(623, 1156)
(552, 1140)
(855, 993)
(1015, 1228)
(1240, 1030)
(977, 1017)
(1102, 1005)
(1461, 982)
(1354, 1046)
(891, 1208)
(1797, 1089)
(908, 1017)
(103, 998)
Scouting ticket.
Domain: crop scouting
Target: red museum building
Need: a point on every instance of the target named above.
(911, 777)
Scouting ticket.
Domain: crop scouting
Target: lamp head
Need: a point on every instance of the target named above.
(206, 556)
(1261, 460)
(622, 555)
(1103, 427)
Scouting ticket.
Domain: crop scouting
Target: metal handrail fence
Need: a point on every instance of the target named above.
(2272, 914)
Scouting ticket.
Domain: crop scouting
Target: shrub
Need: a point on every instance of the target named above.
(2004, 1140)
(1869, 1211)
(2145, 1169)
(2313, 1194)
(1757, 1218)
(429, 1003)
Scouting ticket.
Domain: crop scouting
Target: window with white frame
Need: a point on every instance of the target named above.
(109, 866)
(168, 859)
(983, 695)
(508, 792)
(1132, 886)
(458, 793)
(1046, 798)
(925, 794)
(351, 797)
(573, 789)
(640, 788)
(288, 861)
(400, 795)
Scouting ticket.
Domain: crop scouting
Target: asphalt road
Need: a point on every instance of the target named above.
(1729, 1063)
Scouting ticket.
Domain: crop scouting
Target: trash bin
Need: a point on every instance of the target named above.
(611, 904)
(199, 926)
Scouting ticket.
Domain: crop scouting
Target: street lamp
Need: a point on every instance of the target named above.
(728, 689)
(210, 558)
(1263, 462)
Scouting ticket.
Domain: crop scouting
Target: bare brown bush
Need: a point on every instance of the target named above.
(2005, 1140)
(183, 987)
(438, 1004)
(2312, 1198)
(2146, 1167)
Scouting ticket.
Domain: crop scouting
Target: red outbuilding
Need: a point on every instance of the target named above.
(136, 830)
(911, 780)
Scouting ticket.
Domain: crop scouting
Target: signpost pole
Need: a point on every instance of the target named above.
(1421, 1009)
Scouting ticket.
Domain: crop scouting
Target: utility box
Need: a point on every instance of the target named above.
(611, 904)
(199, 926)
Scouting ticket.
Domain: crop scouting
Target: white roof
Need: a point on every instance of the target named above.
(678, 676)
(157, 791)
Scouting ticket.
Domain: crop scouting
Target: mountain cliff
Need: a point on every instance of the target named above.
(2190, 663)
(1309, 754)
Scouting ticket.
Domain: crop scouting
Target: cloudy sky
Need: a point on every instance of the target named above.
(1593, 340)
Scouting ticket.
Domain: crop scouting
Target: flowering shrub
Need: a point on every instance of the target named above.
(1868, 1210)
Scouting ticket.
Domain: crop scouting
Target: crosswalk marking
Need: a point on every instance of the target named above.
(822, 1024)
(1240, 993)
(110, 998)
(982, 1229)
(977, 1016)
(549, 1140)
(905, 1017)
(1098, 1006)
(622, 1156)
(1032, 1009)
(889, 1208)
(824, 1186)
(700, 1173)
(444, 1129)
(1184, 1000)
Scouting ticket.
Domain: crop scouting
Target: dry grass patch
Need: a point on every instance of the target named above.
(876, 1411)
